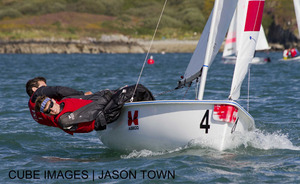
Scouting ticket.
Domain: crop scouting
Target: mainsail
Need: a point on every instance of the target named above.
(249, 40)
(211, 40)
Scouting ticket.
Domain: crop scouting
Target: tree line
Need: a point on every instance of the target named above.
(136, 18)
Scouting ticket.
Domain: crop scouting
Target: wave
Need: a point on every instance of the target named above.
(263, 140)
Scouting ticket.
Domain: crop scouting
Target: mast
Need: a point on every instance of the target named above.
(208, 51)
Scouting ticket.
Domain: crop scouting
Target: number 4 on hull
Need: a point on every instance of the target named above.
(204, 123)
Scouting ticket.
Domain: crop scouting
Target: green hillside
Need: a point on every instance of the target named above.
(75, 19)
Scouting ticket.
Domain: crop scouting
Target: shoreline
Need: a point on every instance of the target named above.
(95, 47)
(107, 44)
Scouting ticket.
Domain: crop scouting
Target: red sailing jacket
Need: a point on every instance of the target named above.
(294, 52)
(71, 105)
(39, 117)
(56, 92)
(42, 118)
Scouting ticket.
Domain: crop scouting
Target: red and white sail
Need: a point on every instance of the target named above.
(236, 29)
(248, 41)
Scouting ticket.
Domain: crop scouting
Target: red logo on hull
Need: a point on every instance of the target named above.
(226, 113)
(133, 119)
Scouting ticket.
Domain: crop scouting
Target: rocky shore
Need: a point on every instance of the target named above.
(107, 44)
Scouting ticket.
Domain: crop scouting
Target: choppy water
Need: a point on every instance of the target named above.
(32, 153)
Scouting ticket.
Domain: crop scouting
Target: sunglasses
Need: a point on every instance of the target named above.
(49, 109)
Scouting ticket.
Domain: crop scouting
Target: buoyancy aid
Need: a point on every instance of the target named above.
(42, 118)
(39, 117)
(294, 52)
(71, 105)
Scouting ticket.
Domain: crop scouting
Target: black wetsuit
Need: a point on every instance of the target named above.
(56, 92)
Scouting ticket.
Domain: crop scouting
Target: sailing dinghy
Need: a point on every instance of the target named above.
(297, 12)
(232, 42)
(169, 124)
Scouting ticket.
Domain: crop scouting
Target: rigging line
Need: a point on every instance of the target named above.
(197, 89)
(248, 101)
(186, 91)
(131, 100)
(164, 92)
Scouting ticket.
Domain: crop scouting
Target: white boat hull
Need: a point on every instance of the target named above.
(167, 125)
(291, 59)
(255, 60)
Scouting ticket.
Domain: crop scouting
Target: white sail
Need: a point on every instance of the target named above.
(262, 43)
(241, 17)
(249, 39)
(224, 10)
(297, 11)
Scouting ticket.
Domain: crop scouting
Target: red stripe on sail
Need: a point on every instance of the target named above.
(254, 15)
(232, 40)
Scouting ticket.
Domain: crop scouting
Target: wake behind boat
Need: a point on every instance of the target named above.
(166, 125)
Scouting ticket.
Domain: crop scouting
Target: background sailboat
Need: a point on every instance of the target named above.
(169, 124)
(297, 12)
(232, 42)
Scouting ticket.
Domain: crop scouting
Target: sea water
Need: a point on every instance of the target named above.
(33, 153)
